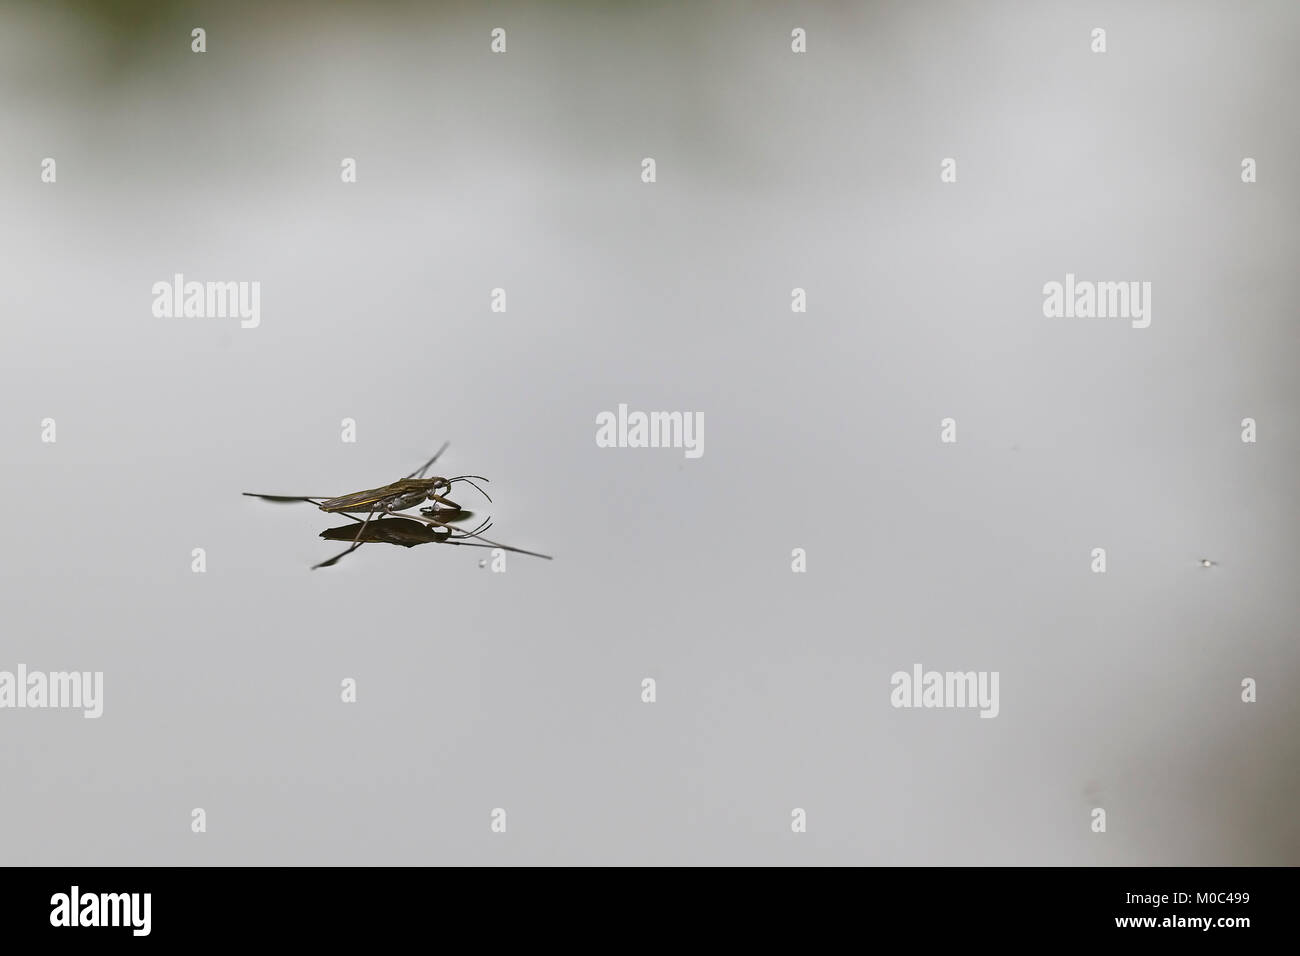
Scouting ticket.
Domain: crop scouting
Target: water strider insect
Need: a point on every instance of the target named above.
(404, 493)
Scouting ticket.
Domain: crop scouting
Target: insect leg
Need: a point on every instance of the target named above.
(419, 472)
(369, 514)
(316, 500)
(426, 516)
(356, 542)
(448, 504)
(355, 518)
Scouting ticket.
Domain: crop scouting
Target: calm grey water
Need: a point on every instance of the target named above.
(522, 690)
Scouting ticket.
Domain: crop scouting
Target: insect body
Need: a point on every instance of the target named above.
(400, 495)
(404, 493)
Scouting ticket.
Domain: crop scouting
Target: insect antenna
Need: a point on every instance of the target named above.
(466, 479)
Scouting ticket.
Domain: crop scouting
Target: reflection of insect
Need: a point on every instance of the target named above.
(407, 533)
(406, 492)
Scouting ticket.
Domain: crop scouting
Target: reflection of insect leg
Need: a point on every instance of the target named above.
(426, 517)
(338, 557)
(494, 545)
(356, 542)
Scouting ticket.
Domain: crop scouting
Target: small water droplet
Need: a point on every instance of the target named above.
(483, 563)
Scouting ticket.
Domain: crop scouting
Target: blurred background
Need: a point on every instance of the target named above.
(775, 170)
